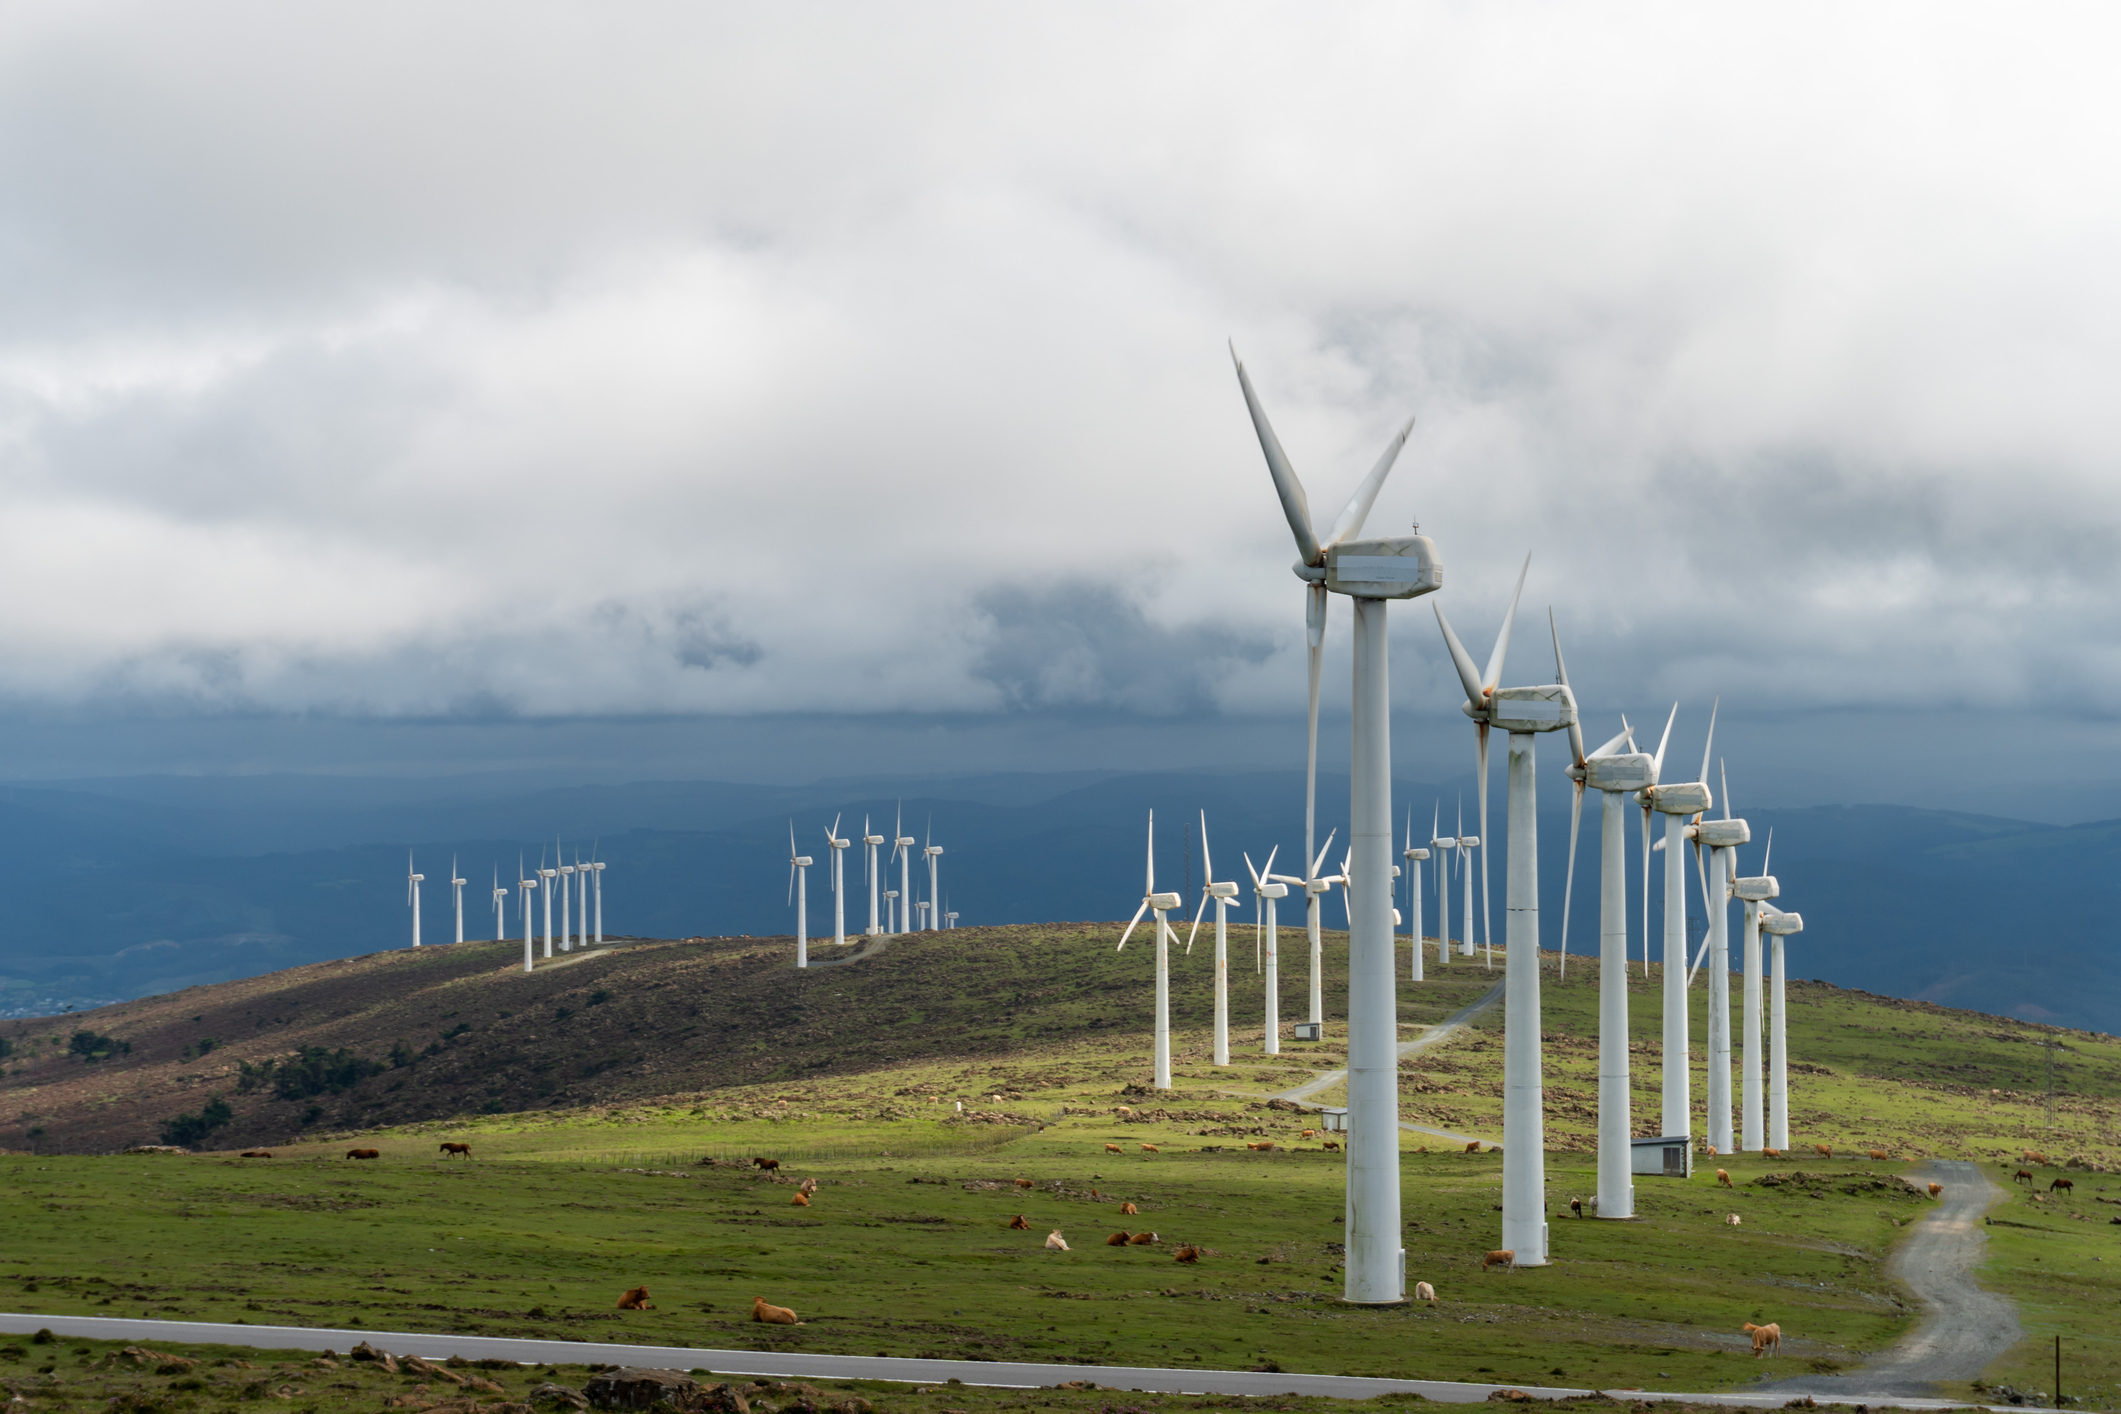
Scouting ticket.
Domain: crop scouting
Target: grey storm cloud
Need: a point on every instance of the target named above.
(533, 360)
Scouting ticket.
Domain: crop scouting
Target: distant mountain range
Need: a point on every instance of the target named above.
(122, 888)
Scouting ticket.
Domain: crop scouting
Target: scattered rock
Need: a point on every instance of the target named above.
(567, 1395)
(641, 1389)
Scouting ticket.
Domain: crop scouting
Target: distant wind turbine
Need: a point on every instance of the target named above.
(412, 895)
(1315, 889)
(1677, 802)
(1160, 905)
(834, 843)
(869, 873)
(1779, 925)
(1415, 855)
(934, 853)
(1721, 838)
(1222, 893)
(566, 873)
(500, 906)
(456, 888)
(526, 884)
(902, 847)
(799, 895)
(1443, 850)
(545, 878)
(1265, 893)
(596, 876)
(1754, 894)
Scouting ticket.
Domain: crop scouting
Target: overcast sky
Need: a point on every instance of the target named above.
(817, 365)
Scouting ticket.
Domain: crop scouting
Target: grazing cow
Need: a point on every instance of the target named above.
(1723, 1179)
(1824, 1151)
(1119, 1239)
(1424, 1292)
(1733, 1220)
(635, 1299)
(772, 1315)
(1336, 1148)
(1264, 1146)
(2024, 1176)
(1186, 1254)
(1771, 1153)
(1151, 1149)
(257, 1153)
(1114, 1149)
(1500, 1257)
(1310, 1134)
(1023, 1183)
(1767, 1339)
(1143, 1239)
(768, 1165)
(1128, 1210)
(800, 1200)
(1055, 1242)
(1880, 1154)
(1712, 1150)
(2034, 1156)
(1019, 1224)
(1474, 1147)
(364, 1153)
(456, 1150)
(2064, 1184)
(1576, 1206)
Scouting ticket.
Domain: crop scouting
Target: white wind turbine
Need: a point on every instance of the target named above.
(500, 907)
(1265, 892)
(1414, 855)
(799, 895)
(1468, 846)
(1442, 849)
(526, 885)
(1721, 838)
(596, 879)
(1779, 925)
(1316, 886)
(1222, 893)
(1753, 893)
(1160, 905)
(1523, 712)
(934, 853)
(456, 888)
(1678, 802)
(1613, 773)
(566, 873)
(837, 845)
(412, 895)
(869, 843)
(545, 878)
(902, 849)
(1372, 573)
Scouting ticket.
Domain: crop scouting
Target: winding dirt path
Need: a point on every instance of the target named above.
(1966, 1328)
(1436, 1035)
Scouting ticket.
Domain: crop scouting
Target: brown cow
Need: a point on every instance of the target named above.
(364, 1153)
(1119, 1239)
(1023, 1183)
(1936, 1190)
(635, 1300)
(1767, 1339)
(1824, 1151)
(2024, 1176)
(1576, 1206)
(2064, 1184)
(1142, 1239)
(463, 1150)
(1151, 1149)
(257, 1153)
(1501, 1257)
(1723, 1179)
(2034, 1156)
(1265, 1146)
(1712, 1150)
(1186, 1254)
(1474, 1147)
(800, 1200)
(1336, 1148)
(770, 1166)
(1114, 1149)
(1128, 1210)
(1019, 1224)
(772, 1315)
(1771, 1153)
(1309, 1134)
(1880, 1154)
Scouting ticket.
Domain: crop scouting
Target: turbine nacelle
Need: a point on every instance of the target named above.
(1417, 855)
(873, 839)
(1222, 891)
(802, 861)
(1272, 890)
(1629, 770)
(1469, 842)
(1679, 798)
(1526, 709)
(1758, 889)
(1401, 567)
(1163, 903)
(1723, 834)
(1445, 843)
(1775, 921)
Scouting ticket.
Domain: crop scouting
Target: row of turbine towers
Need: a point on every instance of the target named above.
(897, 908)
(580, 886)
(1372, 573)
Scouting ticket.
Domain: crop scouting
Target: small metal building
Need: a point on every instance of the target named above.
(1672, 1156)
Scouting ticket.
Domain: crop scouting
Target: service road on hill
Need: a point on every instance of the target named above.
(778, 1365)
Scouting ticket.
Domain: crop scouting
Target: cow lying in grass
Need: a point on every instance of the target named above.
(257, 1153)
(635, 1299)
(772, 1315)
(1019, 1223)
(364, 1153)
(800, 1200)
(1128, 1210)
(1186, 1254)
(1055, 1242)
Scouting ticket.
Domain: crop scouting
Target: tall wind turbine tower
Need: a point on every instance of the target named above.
(456, 888)
(1415, 855)
(1221, 893)
(1160, 905)
(545, 878)
(526, 884)
(902, 845)
(1778, 926)
(1523, 712)
(1443, 849)
(934, 853)
(1721, 838)
(412, 895)
(1265, 894)
(500, 904)
(597, 873)
(1754, 894)
(870, 841)
(566, 873)
(1372, 573)
(837, 845)
(1678, 802)
(799, 895)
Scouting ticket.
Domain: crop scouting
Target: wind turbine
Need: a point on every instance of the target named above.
(799, 895)
(1468, 846)
(1677, 802)
(456, 888)
(1264, 894)
(412, 895)
(1160, 905)
(526, 885)
(566, 873)
(1372, 573)
(1611, 772)
(1779, 925)
(500, 910)
(1316, 887)
(902, 846)
(546, 876)
(934, 853)
(1754, 894)
(1443, 849)
(1721, 838)
(1222, 893)
(870, 842)
(1523, 712)
(834, 843)
(596, 876)
(1414, 855)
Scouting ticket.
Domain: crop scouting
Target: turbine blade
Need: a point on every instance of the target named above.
(1196, 922)
(1657, 766)
(1770, 854)
(1724, 774)
(1568, 890)
(1322, 853)
(1460, 659)
(1267, 869)
(1646, 889)
(1487, 916)
(1294, 504)
(791, 884)
(1152, 854)
(1709, 745)
(1353, 514)
(1562, 669)
(1207, 862)
(1249, 869)
(1130, 926)
(1609, 747)
(1502, 640)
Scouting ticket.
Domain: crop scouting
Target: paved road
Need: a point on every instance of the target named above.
(1966, 1328)
(757, 1363)
(1436, 1035)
